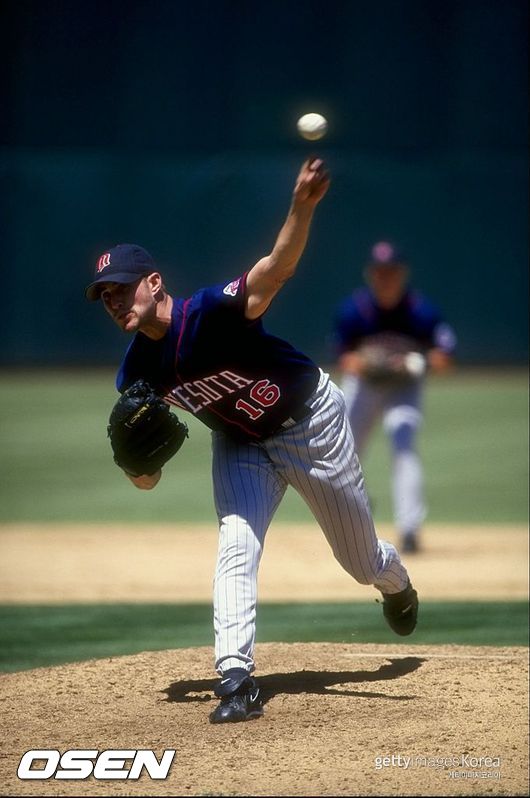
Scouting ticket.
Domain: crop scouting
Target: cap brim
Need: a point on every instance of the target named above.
(93, 291)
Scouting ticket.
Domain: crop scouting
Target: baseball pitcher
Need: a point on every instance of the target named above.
(276, 420)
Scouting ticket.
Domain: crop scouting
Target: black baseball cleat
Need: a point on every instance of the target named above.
(409, 543)
(401, 610)
(240, 698)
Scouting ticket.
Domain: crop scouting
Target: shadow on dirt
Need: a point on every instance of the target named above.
(313, 682)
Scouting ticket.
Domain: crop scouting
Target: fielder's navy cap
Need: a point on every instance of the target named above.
(385, 253)
(124, 263)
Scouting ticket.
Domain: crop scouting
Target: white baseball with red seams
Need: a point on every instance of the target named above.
(415, 363)
(312, 126)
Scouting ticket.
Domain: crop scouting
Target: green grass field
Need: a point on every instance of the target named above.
(474, 446)
(34, 636)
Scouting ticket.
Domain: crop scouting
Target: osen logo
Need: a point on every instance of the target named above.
(46, 763)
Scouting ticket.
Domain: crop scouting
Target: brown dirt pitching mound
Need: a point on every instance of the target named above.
(339, 720)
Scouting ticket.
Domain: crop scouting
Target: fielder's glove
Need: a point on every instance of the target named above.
(144, 434)
(385, 366)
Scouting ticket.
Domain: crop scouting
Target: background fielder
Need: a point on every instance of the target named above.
(276, 420)
(388, 335)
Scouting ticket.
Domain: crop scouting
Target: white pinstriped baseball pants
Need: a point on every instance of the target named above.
(317, 457)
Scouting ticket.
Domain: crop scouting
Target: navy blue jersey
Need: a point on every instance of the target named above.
(222, 367)
(415, 319)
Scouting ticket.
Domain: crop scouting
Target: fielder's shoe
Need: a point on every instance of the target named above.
(240, 699)
(409, 543)
(401, 610)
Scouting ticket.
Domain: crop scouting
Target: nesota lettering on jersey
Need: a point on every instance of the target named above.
(196, 394)
(222, 367)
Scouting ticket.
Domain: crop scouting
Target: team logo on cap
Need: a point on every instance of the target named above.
(103, 262)
(231, 288)
(383, 252)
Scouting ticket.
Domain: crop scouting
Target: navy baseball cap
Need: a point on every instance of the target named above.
(384, 253)
(124, 263)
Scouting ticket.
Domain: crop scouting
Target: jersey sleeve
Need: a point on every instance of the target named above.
(138, 363)
(436, 331)
(444, 337)
(130, 367)
(349, 327)
(226, 298)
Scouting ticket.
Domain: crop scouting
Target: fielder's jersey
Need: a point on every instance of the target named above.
(415, 319)
(222, 367)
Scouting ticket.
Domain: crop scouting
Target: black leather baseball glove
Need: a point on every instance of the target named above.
(144, 433)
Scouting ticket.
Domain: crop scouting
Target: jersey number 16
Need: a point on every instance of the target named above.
(263, 393)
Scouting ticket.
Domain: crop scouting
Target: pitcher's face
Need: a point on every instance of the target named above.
(130, 305)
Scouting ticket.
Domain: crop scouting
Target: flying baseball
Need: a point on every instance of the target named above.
(312, 126)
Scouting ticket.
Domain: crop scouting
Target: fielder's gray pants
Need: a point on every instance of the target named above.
(400, 410)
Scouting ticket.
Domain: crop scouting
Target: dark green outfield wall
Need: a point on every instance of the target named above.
(173, 124)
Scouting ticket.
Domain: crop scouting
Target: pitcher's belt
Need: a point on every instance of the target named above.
(297, 414)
